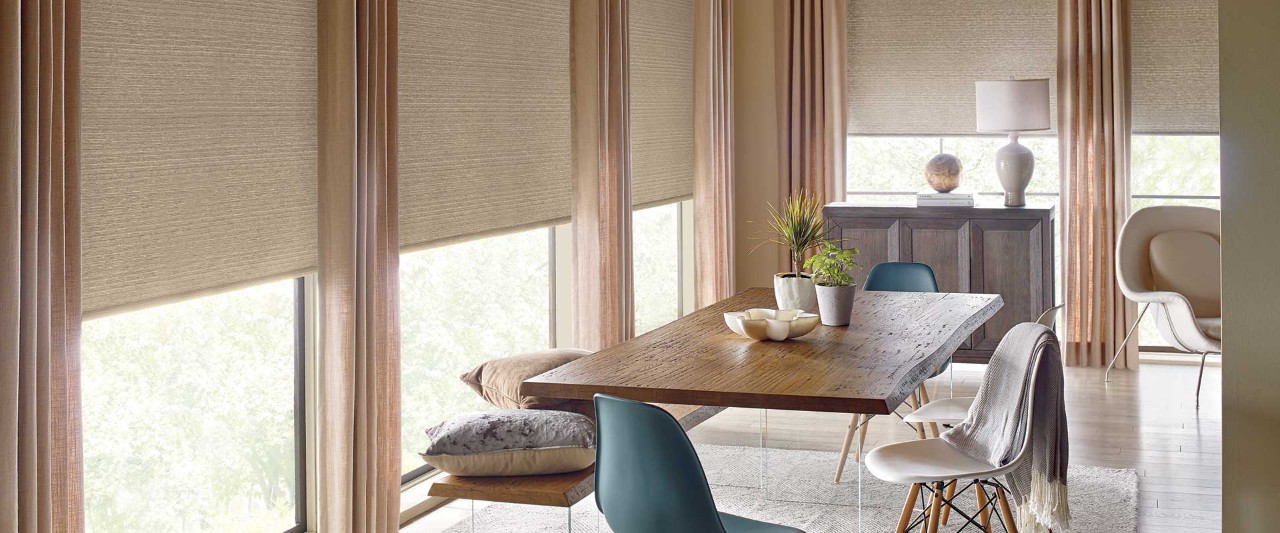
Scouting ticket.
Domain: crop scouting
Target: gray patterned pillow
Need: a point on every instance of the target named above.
(516, 442)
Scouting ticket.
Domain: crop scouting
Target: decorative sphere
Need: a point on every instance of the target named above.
(943, 172)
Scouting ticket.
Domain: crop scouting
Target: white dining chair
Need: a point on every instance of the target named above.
(933, 465)
(1169, 259)
(947, 412)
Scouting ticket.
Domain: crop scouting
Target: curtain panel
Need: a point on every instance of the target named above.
(1093, 140)
(811, 36)
(41, 483)
(713, 187)
(603, 297)
(359, 356)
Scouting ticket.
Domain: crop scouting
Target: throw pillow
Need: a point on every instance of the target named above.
(498, 381)
(515, 442)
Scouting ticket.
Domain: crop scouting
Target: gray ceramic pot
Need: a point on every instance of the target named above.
(835, 304)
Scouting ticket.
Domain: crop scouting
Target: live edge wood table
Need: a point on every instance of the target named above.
(696, 366)
(895, 341)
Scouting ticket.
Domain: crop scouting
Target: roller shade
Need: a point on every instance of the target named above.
(199, 147)
(484, 141)
(661, 54)
(912, 64)
(1174, 56)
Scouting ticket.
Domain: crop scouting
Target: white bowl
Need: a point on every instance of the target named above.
(780, 324)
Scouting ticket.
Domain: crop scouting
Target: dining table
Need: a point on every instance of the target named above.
(892, 344)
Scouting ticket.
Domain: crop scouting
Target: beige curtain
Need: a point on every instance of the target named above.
(41, 475)
(601, 173)
(811, 96)
(713, 150)
(1093, 137)
(359, 359)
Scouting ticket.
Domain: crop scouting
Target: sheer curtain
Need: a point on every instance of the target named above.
(359, 356)
(713, 150)
(601, 173)
(1093, 137)
(41, 484)
(811, 96)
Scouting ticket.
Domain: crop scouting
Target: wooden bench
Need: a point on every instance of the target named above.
(555, 490)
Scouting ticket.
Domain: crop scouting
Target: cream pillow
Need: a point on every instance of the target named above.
(1189, 263)
(516, 442)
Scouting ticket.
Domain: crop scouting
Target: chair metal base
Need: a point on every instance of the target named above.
(1125, 342)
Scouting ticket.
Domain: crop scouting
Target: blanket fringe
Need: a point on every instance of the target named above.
(1045, 509)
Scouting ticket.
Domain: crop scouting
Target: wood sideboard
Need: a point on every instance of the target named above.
(984, 249)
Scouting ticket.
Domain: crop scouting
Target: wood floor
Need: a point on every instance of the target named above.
(1145, 420)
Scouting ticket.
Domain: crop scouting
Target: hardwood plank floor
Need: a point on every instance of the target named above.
(1145, 420)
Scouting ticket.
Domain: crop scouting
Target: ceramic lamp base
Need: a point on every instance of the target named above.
(1014, 166)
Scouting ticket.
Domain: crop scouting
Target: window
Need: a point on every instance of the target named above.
(1172, 170)
(461, 305)
(192, 414)
(890, 169)
(656, 243)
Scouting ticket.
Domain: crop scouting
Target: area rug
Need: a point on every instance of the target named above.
(795, 488)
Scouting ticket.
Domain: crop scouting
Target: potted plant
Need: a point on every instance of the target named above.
(798, 228)
(831, 268)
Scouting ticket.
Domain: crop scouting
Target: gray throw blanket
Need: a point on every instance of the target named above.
(996, 426)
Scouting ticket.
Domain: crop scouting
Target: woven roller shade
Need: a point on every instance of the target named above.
(199, 147)
(484, 141)
(912, 64)
(661, 54)
(1174, 56)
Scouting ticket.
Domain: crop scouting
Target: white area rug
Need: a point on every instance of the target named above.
(798, 492)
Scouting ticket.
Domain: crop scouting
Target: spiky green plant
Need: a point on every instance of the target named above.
(798, 227)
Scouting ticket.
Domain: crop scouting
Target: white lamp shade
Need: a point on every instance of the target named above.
(1012, 105)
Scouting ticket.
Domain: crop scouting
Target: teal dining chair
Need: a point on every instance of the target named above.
(649, 478)
(893, 277)
(901, 277)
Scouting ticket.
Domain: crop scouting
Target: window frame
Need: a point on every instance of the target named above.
(301, 411)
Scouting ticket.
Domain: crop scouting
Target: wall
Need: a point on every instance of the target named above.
(1250, 82)
(755, 131)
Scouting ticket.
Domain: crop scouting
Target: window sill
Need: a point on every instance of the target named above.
(414, 500)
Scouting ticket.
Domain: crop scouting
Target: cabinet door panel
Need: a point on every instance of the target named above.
(943, 244)
(875, 238)
(1008, 260)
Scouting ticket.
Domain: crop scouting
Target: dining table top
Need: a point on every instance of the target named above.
(894, 342)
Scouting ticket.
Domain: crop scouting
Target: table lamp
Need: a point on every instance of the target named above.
(1013, 106)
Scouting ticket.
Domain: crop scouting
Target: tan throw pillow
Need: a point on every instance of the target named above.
(1189, 263)
(498, 381)
(512, 443)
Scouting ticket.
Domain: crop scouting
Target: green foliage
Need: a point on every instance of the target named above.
(798, 227)
(655, 257)
(831, 265)
(188, 415)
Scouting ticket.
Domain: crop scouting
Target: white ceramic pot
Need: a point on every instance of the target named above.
(795, 292)
(835, 304)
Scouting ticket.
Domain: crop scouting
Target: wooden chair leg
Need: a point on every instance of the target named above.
(984, 516)
(913, 401)
(935, 508)
(1005, 514)
(844, 450)
(908, 508)
(951, 494)
(933, 426)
